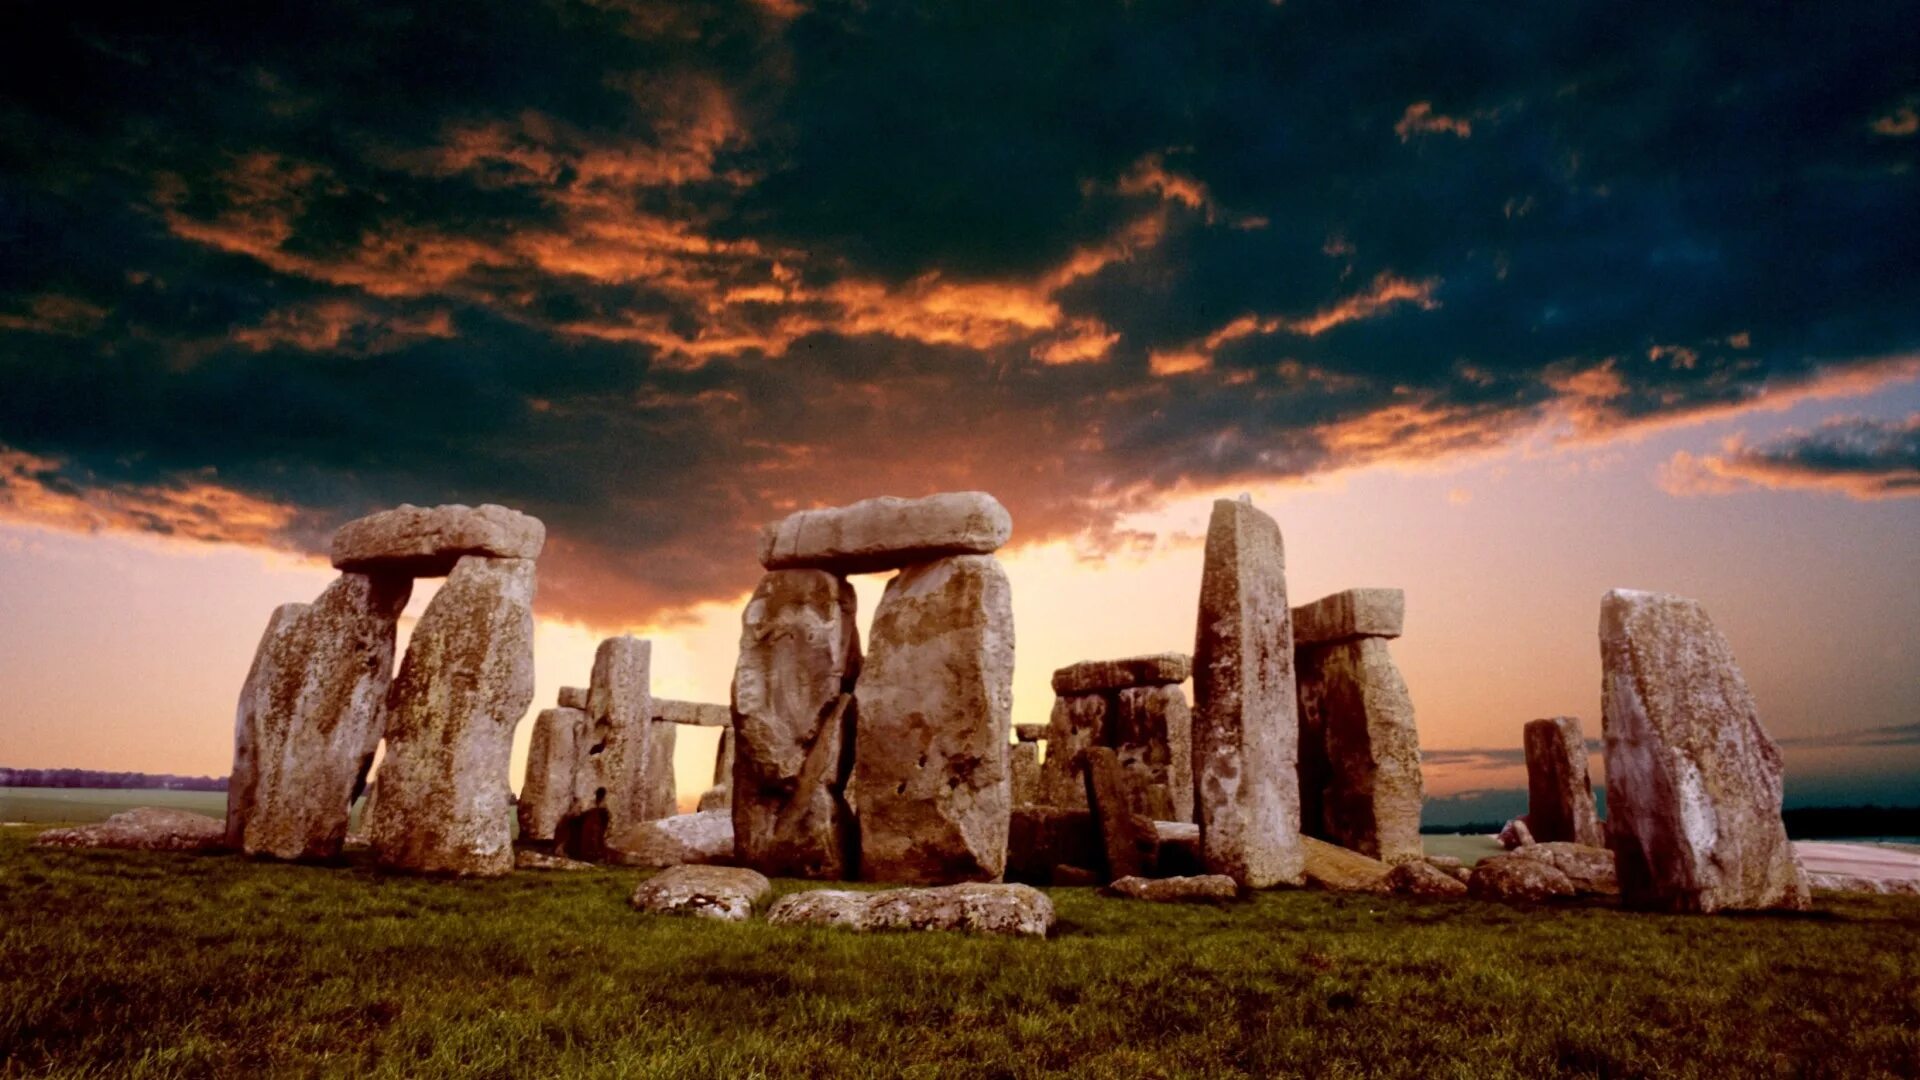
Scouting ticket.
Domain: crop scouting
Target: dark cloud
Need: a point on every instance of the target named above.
(1856, 456)
(658, 272)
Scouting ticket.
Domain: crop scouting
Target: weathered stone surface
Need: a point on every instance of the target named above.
(615, 785)
(699, 839)
(977, 907)
(691, 713)
(1421, 878)
(660, 791)
(726, 893)
(930, 787)
(538, 860)
(1206, 888)
(793, 716)
(1589, 868)
(1693, 781)
(887, 533)
(1094, 676)
(1078, 722)
(1339, 870)
(1023, 762)
(1245, 717)
(1151, 729)
(1559, 790)
(1031, 733)
(310, 717)
(415, 541)
(1359, 765)
(1516, 877)
(1040, 838)
(1456, 869)
(560, 741)
(720, 795)
(467, 679)
(1859, 883)
(1126, 842)
(1344, 616)
(145, 828)
(573, 697)
(1516, 834)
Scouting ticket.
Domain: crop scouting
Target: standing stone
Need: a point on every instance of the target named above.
(613, 790)
(560, 740)
(887, 533)
(310, 717)
(445, 803)
(720, 795)
(930, 789)
(1078, 722)
(660, 791)
(1559, 791)
(1150, 728)
(1693, 781)
(1123, 842)
(1024, 765)
(792, 716)
(1245, 719)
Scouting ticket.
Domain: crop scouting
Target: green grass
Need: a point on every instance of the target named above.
(74, 805)
(131, 964)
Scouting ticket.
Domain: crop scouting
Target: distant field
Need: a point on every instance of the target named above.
(150, 965)
(93, 804)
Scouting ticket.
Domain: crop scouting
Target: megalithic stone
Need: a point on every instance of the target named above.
(660, 795)
(1693, 781)
(799, 654)
(720, 795)
(1150, 728)
(1354, 701)
(1024, 767)
(612, 786)
(560, 740)
(1559, 789)
(1245, 718)
(1126, 848)
(930, 789)
(310, 717)
(445, 802)
(1078, 723)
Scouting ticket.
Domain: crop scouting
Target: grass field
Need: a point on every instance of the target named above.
(48, 805)
(132, 964)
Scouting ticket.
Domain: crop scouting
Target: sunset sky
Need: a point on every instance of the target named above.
(1505, 305)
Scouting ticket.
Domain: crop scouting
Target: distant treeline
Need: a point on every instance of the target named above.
(1803, 822)
(94, 778)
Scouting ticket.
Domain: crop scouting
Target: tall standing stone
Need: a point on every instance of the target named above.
(1150, 730)
(660, 788)
(1360, 780)
(1245, 718)
(1024, 769)
(310, 717)
(1693, 781)
(612, 787)
(1078, 723)
(720, 795)
(465, 683)
(1559, 790)
(561, 737)
(930, 786)
(799, 654)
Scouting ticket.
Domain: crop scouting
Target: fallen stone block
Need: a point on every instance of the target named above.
(1515, 877)
(703, 838)
(1338, 870)
(1421, 878)
(974, 906)
(887, 533)
(1095, 676)
(415, 541)
(145, 828)
(725, 893)
(1515, 834)
(1589, 868)
(1206, 888)
(538, 860)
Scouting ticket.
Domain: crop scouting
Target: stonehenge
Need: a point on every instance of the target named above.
(1359, 767)
(1135, 707)
(1693, 780)
(1559, 790)
(1245, 716)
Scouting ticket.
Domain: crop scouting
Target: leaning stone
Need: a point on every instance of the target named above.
(1357, 732)
(1094, 676)
(1023, 762)
(415, 541)
(145, 828)
(1515, 834)
(1516, 877)
(726, 893)
(1127, 848)
(1209, 888)
(1589, 868)
(1693, 781)
(887, 533)
(1079, 722)
(535, 860)
(704, 838)
(560, 741)
(1420, 878)
(792, 716)
(573, 697)
(1559, 791)
(445, 801)
(930, 789)
(310, 718)
(691, 713)
(1151, 729)
(1344, 616)
(1338, 870)
(1245, 716)
(1030, 732)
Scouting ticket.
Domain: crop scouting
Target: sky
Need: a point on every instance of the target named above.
(1504, 305)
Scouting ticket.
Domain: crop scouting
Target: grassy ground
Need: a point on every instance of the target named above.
(97, 804)
(120, 963)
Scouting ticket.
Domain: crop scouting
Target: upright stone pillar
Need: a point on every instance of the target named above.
(445, 803)
(1559, 791)
(1135, 707)
(661, 789)
(1693, 781)
(612, 784)
(1360, 781)
(1078, 723)
(561, 738)
(1023, 765)
(930, 786)
(799, 654)
(1245, 718)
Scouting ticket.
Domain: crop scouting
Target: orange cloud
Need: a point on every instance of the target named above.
(55, 313)
(1420, 119)
(1385, 291)
(32, 490)
(1861, 459)
(341, 325)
